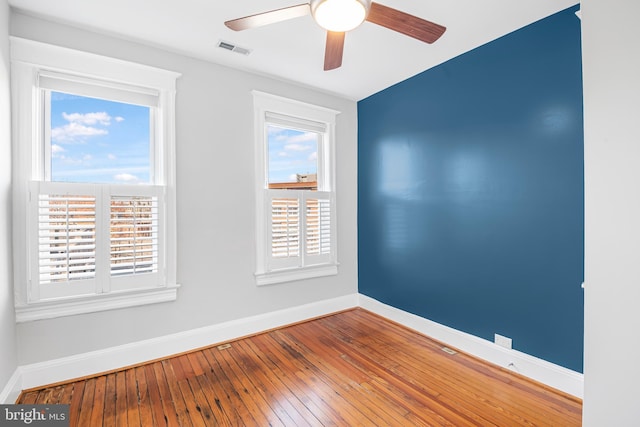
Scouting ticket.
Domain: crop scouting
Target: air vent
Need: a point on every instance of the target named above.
(233, 48)
(449, 351)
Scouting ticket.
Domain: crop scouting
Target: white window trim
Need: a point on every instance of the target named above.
(265, 103)
(28, 59)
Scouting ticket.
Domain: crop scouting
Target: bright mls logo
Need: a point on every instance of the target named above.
(34, 415)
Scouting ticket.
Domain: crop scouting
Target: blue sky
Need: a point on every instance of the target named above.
(291, 152)
(93, 140)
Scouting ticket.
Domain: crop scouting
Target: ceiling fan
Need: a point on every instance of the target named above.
(340, 16)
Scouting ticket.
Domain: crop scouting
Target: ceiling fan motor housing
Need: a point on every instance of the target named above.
(339, 15)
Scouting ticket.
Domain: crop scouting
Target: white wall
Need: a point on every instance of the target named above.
(215, 205)
(8, 360)
(611, 63)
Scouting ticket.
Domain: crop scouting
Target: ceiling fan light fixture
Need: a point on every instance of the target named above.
(340, 15)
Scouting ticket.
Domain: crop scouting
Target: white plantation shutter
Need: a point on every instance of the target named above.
(285, 227)
(319, 227)
(67, 237)
(300, 228)
(133, 235)
(136, 236)
(64, 218)
(94, 238)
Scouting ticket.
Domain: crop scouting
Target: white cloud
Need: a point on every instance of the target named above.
(126, 177)
(70, 160)
(82, 126)
(89, 118)
(56, 149)
(313, 156)
(298, 147)
(303, 137)
(73, 132)
(293, 177)
(112, 157)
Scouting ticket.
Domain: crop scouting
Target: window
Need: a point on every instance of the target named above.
(296, 203)
(94, 182)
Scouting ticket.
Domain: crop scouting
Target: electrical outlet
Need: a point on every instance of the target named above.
(502, 341)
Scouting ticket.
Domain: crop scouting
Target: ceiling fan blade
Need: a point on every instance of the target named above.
(333, 50)
(404, 23)
(271, 17)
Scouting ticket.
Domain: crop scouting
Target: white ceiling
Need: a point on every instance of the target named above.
(374, 57)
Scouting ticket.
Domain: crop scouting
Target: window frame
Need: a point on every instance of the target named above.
(273, 109)
(29, 61)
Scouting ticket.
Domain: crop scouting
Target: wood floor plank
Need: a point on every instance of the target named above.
(75, 401)
(144, 405)
(97, 413)
(175, 392)
(350, 377)
(351, 368)
(28, 398)
(43, 396)
(155, 399)
(121, 417)
(337, 389)
(416, 380)
(56, 395)
(88, 404)
(255, 402)
(287, 376)
(444, 415)
(205, 393)
(253, 369)
(230, 400)
(276, 389)
(110, 397)
(155, 372)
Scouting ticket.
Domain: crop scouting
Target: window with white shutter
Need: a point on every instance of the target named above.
(295, 218)
(96, 177)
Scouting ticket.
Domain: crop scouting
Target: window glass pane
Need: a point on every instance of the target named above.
(293, 158)
(98, 141)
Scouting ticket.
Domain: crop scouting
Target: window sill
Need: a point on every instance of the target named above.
(94, 303)
(293, 274)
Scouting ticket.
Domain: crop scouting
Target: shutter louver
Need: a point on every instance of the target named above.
(285, 227)
(318, 232)
(133, 234)
(66, 237)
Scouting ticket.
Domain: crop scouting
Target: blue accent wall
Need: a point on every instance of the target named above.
(470, 182)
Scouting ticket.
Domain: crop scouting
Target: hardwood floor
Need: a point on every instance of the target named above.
(348, 369)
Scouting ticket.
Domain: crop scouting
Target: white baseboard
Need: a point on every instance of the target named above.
(67, 368)
(12, 389)
(85, 364)
(540, 370)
